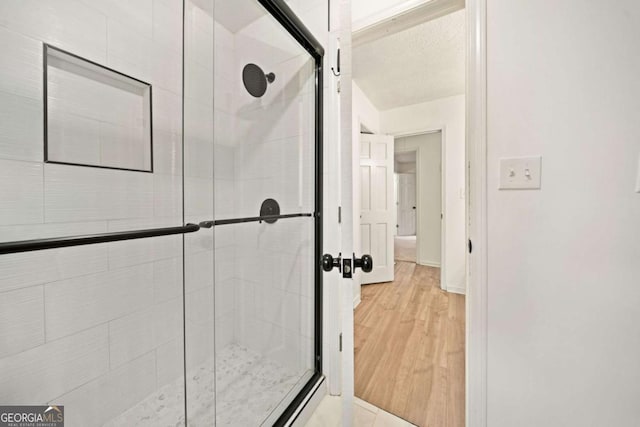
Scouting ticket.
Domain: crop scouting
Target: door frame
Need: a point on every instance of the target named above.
(443, 207)
(476, 347)
(476, 328)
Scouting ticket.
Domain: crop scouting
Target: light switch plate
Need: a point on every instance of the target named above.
(520, 173)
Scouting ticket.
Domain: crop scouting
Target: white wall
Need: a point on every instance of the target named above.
(447, 114)
(365, 113)
(563, 273)
(428, 195)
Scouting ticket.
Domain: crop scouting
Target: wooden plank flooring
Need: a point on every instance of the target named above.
(409, 348)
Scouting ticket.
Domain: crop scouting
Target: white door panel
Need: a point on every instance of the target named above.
(377, 205)
(406, 204)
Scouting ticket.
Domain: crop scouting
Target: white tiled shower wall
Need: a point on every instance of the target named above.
(264, 149)
(96, 328)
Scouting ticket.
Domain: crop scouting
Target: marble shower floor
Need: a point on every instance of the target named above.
(249, 387)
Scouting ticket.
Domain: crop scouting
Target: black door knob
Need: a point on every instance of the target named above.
(328, 262)
(365, 263)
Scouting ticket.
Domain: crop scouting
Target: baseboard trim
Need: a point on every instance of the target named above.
(460, 289)
(430, 263)
(356, 301)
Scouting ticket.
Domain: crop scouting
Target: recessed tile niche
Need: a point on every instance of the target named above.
(95, 116)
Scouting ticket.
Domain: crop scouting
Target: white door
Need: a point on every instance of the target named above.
(377, 205)
(406, 204)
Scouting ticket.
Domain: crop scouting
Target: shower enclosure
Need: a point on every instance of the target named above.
(160, 228)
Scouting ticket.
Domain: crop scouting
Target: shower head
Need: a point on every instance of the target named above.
(255, 80)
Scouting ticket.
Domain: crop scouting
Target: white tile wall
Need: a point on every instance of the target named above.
(169, 361)
(75, 304)
(106, 397)
(98, 327)
(21, 320)
(75, 193)
(20, 192)
(20, 65)
(67, 24)
(17, 270)
(47, 371)
(21, 134)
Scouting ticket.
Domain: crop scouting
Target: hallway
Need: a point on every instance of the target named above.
(405, 248)
(409, 348)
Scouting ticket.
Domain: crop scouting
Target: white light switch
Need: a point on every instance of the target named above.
(520, 173)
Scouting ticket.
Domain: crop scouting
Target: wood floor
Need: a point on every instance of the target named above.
(404, 248)
(409, 348)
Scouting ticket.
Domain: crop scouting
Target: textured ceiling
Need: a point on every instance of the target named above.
(420, 64)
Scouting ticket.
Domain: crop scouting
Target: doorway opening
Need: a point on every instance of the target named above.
(409, 329)
(404, 172)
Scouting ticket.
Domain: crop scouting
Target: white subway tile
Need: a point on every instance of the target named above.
(228, 128)
(170, 362)
(224, 330)
(75, 304)
(45, 372)
(110, 395)
(225, 262)
(140, 251)
(225, 296)
(198, 84)
(167, 195)
(198, 158)
(225, 196)
(21, 192)
(167, 24)
(125, 147)
(167, 321)
(166, 69)
(167, 111)
(130, 336)
(224, 162)
(199, 343)
(137, 15)
(198, 122)
(72, 138)
(17, 270)
(74, 193)
(225, 236)
(167, 279)
(20, 65)
(199, 271)
(21, 320)
(167, 153)
(67, 24)
(199, 305)
(198, 195)
(21, 133)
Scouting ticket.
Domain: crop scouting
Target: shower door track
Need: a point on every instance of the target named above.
(90, 239)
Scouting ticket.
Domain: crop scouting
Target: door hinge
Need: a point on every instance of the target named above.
(339, 214)
(340, 341)
(470, 246)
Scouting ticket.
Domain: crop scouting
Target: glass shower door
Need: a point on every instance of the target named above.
(266, 227)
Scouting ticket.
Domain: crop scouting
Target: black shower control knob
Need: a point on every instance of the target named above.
(365, 263)
(328, 262)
